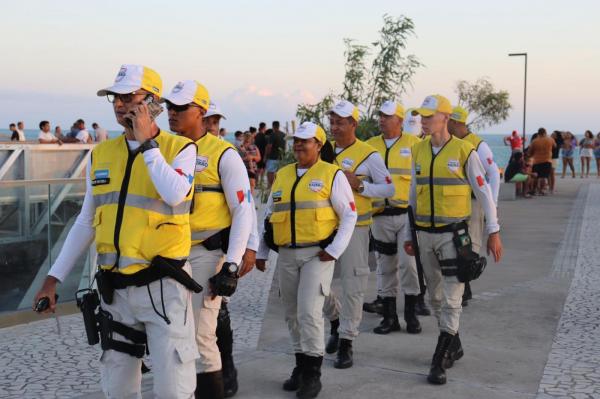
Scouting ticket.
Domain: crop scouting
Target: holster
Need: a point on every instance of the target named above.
(108, 326)
(218, 240)
(386, 248)
(468, 265)
(268, 236)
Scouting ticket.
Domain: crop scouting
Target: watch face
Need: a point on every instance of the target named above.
(232, 268)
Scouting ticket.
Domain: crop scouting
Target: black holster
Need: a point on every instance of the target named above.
(386, 248)
(468, 265)
(107, 326)
(268, 236)
(218, 240)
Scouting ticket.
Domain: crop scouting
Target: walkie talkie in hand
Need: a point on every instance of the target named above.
(154, 108)
(44, 303)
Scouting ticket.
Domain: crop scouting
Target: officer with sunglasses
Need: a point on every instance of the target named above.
(222, 219)
(136, 207)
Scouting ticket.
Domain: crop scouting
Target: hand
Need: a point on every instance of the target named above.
(48, 290)
(261, 264)
(142, 122)
(352, 179)
(248, 262)
(324, 256)
(494, 246)
(409, 248)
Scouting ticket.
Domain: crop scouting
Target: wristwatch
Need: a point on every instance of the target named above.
(148, 145)
(231, 267)
(361, 187)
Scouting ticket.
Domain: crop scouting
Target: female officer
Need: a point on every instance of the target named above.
(312, 215)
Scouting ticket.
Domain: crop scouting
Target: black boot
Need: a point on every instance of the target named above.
(421, 308)
(456, 352)
(225, 344)
(410, 317)
(390, 317)
(344, 356)
(209, 385)
(311, 377)
(437, 373)
(374, 307)
(334, 337)
(293, 383)
(467, 294)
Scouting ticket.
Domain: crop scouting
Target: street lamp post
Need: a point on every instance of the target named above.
(524, 91)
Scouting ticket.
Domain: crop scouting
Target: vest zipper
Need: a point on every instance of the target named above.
(121, 205)
(293, 208)
(431, 186)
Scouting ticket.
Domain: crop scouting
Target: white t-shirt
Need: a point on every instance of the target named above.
(101, 134)
(46, 136)
(83, 136)
(21, 135)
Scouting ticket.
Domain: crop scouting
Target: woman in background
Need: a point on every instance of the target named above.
(250, 156)
(597, 152)
(586, 152)
(568, 147)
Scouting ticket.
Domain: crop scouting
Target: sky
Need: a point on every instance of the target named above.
(260, 58)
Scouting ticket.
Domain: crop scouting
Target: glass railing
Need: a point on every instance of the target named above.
(35, 217)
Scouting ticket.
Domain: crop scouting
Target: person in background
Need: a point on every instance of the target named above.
(260, 140)
(81, 137)
(45, 137)
(15, 134)
(515, 141)
(540, 150)
(586, 152)
(238, 141)
(597, 152)
(212, 120)
(516, 172)
(274, 151)
(567, 150)
(100, 133)
(21, 131)
(558, 139)
(58, 133)
(250, 156)
(222, 133)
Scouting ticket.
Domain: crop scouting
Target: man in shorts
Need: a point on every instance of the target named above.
(541, 151)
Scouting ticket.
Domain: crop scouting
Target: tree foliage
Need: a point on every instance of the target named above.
(486, 105)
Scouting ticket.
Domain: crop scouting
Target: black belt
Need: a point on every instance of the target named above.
(449, 228)
(389, 211)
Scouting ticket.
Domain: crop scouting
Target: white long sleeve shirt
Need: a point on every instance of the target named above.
(482, 192)
(341, 199)
(171, 185)
(492, 173)
(374, 167)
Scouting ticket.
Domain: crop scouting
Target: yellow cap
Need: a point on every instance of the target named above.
(189, 91)
(134, 77)
(308, 130)
(432, 104)
(390, 108)
(459, 114)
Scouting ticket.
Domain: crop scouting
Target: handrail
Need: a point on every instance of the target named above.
(37, 182)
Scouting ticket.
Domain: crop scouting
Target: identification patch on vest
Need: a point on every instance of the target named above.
(101, 176)
(405, 152)
(453, 165)
(347, 163)
(417, 169)
(201, 163)
(315, 185)
(277, 196)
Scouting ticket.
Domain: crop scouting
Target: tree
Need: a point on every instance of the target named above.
(389, 76)
(486, 106)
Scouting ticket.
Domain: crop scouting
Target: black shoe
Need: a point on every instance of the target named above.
(145, 368)
(437, 373)
(225, 344)
(390, 317)
(374, 307)
(467, 294)
(311, 378)
(334, 337)
(344, 356)
(209, 385)
(456, 352)
(410, 317)
(230, 383)
(421, 308)
(293, 383)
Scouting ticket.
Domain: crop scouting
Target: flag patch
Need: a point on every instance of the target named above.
(190, 178)
(480, 181)
(353, 206)
(240, 196)
(388, 180)
(490, 161)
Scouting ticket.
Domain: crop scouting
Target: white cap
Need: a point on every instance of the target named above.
(189, 91)
(308, 130)
(345, 109)
(390, 108)
(134, 77)
(213, 109)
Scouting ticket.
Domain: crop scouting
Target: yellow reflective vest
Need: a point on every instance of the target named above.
(443, 191)
(133, 224)
(350, 158)
(210, 213)
(473, 139)
(398, 160)
(302, 212)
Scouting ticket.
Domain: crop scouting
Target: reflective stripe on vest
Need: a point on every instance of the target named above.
(141, 202)
(302, 205)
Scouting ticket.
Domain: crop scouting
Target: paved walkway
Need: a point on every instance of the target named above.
(519, 343)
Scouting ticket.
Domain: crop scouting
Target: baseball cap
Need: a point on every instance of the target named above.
(213, 109)
(308, 130)
(432, 104)
(189, 91)
(134, 77)
(390, 108)
(459, 114)
(345, 109)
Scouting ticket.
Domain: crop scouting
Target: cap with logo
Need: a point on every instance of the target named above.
(345, 109)
(187, 92)
(459, 114)
(308, 130)
(433, 104)
(213, 109)
(134, 77)
(391, 108)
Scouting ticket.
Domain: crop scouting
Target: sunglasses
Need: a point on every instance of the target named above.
(179, 108)
(125, 98)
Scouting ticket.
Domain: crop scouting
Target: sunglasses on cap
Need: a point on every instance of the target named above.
(179, 108)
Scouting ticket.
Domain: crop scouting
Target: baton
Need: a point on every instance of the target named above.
(415, 241)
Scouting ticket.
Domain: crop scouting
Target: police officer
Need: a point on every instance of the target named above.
(457, 127)
(136, 206)
(221, 221)
(446, 170)
(369, 178)
(389, 221)
(312, 214)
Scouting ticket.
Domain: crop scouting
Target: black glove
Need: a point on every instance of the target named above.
(224, 283)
